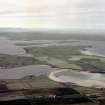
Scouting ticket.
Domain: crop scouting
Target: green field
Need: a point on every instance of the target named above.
(12, 61)
(58, 62)
(57, 56)
(67, 57)
(30, 82)
(61, 52)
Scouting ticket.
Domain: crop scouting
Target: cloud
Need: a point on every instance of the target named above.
(53, 13)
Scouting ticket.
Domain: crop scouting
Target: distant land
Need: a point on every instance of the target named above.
(31, 34)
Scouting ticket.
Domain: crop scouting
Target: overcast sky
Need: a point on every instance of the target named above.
(53, 14)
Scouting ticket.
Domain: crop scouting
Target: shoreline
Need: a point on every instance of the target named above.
(53, 77)
(93, 79)
(87, 52)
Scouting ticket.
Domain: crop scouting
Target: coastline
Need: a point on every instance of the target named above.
(90, 79)
(91, 53)
(54, 78)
